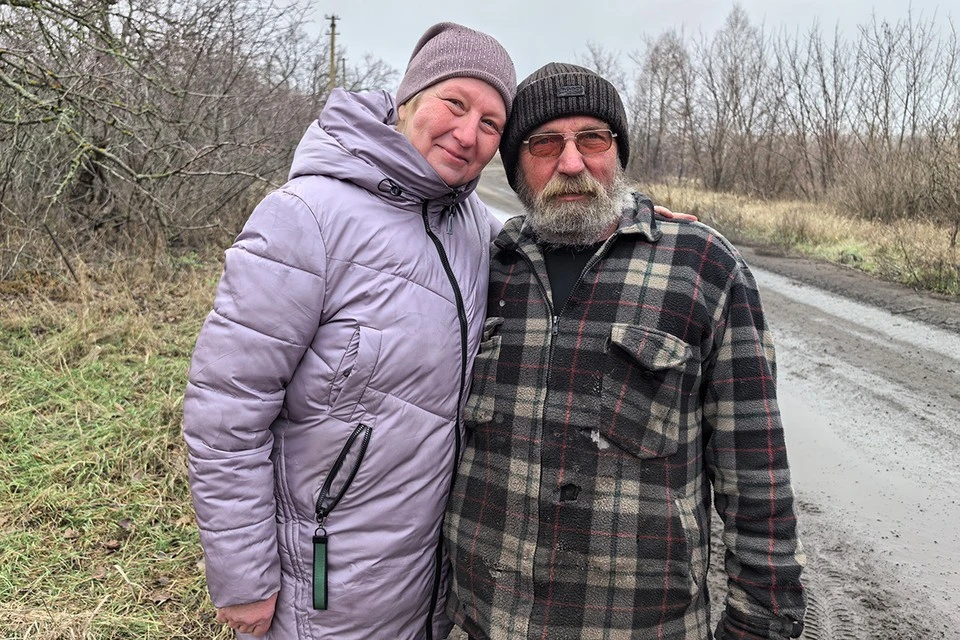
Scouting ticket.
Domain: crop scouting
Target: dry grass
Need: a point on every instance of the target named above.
(99, 536)
(911, 252)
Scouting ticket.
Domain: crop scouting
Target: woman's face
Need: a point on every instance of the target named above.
(456, 125)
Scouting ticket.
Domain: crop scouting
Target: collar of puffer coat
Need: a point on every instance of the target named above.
(355, 139)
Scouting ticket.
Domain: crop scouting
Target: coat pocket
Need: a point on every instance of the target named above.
(351, 379)
(642, 386)
(334, 487)
(482, 398)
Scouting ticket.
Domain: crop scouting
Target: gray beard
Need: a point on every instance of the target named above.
(573, 224)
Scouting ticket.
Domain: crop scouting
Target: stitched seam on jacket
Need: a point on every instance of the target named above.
(257, 331)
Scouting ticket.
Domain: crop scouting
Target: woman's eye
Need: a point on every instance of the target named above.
(492, 126)
(455, 103)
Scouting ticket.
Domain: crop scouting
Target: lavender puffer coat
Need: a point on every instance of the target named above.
(334, 365)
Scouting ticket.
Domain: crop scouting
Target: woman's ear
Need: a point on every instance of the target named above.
(402, 112)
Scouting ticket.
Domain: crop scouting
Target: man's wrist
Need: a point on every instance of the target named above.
(741, 625)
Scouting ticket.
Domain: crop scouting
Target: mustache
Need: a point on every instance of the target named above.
(581, 184)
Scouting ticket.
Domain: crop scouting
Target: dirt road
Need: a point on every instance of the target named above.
(869, 387)
(870, 401)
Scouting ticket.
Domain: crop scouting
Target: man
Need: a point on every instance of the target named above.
(625, 381)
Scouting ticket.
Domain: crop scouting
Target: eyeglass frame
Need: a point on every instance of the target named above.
(575, 136)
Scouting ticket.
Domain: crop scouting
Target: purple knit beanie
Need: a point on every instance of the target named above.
(448, 50)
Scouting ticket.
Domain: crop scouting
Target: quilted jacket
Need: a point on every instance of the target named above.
(330, 378)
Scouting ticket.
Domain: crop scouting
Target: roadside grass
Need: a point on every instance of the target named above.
(99, 536)
(98, 529)
(914, 253)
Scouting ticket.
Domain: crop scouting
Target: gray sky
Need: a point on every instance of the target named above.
(539, 31)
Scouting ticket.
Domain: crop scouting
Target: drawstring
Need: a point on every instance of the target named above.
(389, 186)
(451, 211)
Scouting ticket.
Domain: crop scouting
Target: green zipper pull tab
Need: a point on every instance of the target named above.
(320, 540)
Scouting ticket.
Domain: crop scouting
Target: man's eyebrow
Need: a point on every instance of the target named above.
(587, 127)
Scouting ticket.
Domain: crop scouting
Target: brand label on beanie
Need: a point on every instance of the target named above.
(571, 90)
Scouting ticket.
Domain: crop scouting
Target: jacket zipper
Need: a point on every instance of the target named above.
(601, 253)
(326, 503)
(555, 319)
(462, 314)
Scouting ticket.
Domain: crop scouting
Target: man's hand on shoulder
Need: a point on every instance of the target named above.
(678, 217)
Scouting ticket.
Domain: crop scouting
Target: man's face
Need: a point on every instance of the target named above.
(456, 125)
(573, 198)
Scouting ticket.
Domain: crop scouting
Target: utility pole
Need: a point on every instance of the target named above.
(333, 50)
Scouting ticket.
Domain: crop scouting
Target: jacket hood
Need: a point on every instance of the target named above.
(355, 140)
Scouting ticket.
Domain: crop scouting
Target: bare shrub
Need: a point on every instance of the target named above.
(128, 125)
(872, 121)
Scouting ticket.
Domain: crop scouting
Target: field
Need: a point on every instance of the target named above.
(914, 253)
(99, 536)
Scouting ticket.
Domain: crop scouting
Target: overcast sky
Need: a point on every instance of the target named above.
(539, 31)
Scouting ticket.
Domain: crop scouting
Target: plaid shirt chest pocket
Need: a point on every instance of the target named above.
(480, 403)
(642, 386)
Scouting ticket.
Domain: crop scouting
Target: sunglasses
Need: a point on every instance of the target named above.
(551, 145)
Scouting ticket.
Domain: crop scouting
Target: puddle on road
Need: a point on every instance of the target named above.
(915, 528)
(898, 328)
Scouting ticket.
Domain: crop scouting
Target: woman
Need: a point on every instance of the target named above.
(323, 411)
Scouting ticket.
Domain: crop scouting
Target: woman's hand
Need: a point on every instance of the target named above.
(254, 617)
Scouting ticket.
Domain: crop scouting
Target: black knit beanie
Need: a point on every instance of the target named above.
(557, 90)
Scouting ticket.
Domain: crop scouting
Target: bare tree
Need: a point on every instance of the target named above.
(657, 106)
(906, 92)
(869, 122)
(125, 123)
(734, 104)
(606, 63)
(817, 79)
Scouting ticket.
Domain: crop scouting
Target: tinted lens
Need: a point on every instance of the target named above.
(594, 141)
(545, 144)
(588, 142)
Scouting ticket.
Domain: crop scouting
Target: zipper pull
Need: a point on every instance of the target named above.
(556, 325)
(449, 223)
(320, 542)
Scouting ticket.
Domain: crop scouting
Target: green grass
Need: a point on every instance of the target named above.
(99, 535)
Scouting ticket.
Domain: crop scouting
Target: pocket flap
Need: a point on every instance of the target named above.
(356, 375)
(652, 349)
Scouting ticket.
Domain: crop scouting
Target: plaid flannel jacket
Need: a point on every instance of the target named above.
(599, 434)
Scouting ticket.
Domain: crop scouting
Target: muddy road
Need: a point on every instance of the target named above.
(871, 408)
(869, 388)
